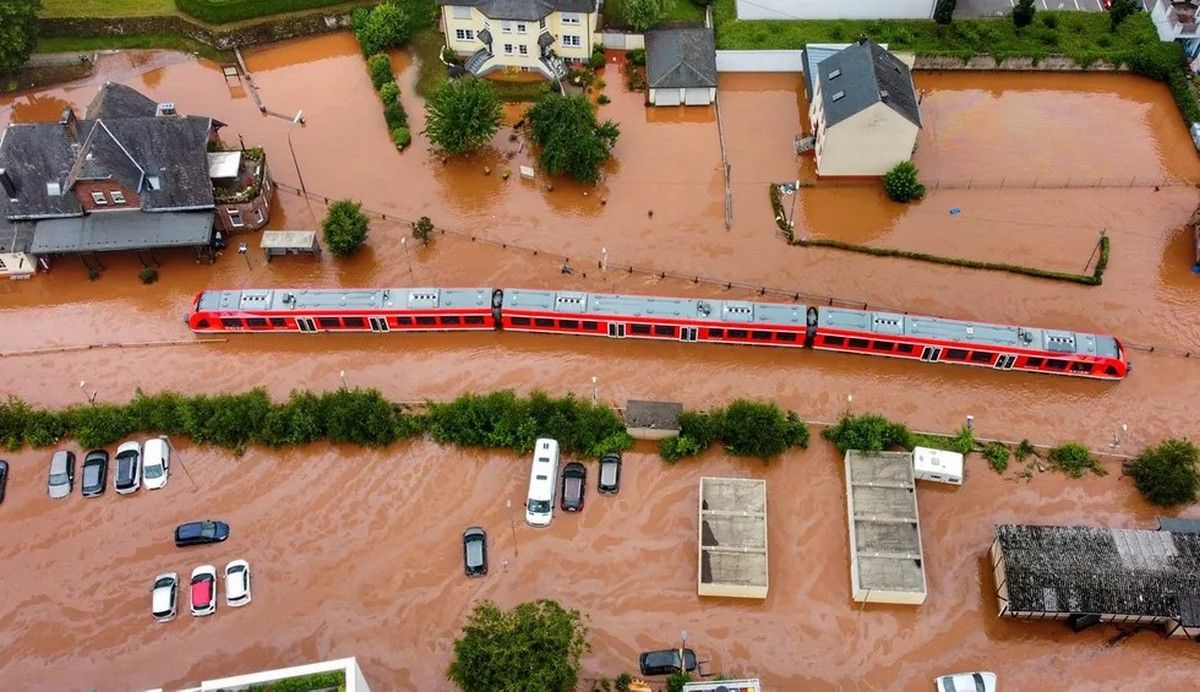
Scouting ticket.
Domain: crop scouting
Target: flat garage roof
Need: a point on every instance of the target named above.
(886, 564)
(733, 538)
(133, 230)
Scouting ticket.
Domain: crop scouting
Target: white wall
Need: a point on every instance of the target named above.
(869, 143)
(759, 61)
(835, 9)
(621, 41)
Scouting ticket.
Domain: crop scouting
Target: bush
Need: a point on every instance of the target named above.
(901, 183)
(1122, 10)
(868, 432)
(1024, 450)
(637, 56)
(640, 15)
(760, 429)
(1166, 474)
(546, 639)
(422, 230)
(997, 456)
(380, 67)
(943, 12)
(345, 227)
(623, 681)
(1074, 460)
(389, 92)
(384, 26)
(1050, 21)
(360, 416)
(394, 115)
(100, 425)
(596, 60)
(603, 99)
(676, 681)
(401, 137)
(1022, 13)
(304, 683)
(148, 275)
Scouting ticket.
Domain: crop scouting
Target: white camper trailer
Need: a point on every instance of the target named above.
(937, 465)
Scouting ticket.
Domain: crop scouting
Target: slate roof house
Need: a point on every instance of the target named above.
(538, 36)
(864, 110)
(130, 175)
(681, 67)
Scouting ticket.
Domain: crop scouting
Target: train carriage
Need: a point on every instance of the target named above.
(344, 310)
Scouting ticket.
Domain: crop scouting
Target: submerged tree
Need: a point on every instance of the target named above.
(462, 115)
(572, 141)
(901, 183)
(345, 227)
(1166, 474)
(18, 32)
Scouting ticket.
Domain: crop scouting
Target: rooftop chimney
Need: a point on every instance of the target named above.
(6, 181)
(68, 124)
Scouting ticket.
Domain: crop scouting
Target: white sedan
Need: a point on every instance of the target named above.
(237, 583)
(156, 463)
(966, 682)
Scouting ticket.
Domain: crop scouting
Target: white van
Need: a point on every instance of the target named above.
(543, 477)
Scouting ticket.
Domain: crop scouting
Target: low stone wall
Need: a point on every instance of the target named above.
(986, 62)
(265, 31)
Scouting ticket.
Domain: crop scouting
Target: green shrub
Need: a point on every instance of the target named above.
(1122, 10)
(401, 137)
(1074, 460)
(623, 681)
(14, 415)
(422, 230)
(384, 26)
(360, 416)
(1166, 474)
(43, 428)
(394, 115)
(676, 681)
(1050, 21)
(345, 227)
(380, 67)
(943, 12)
(997, 456)
(760, 429)
(1024, 450)
(299, 421)
(603, 99)
(100, 425)
(637, 56)
(389, 92)
(304, 683)
(1022, 13)
(868, 432)
(901, 183)
(962, 442)
(596, 60)
(225, 11)
(148, 275)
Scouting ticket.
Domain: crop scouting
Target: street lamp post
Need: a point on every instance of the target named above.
(295, 162)
(512, 525)
(594, 390)
(244, 250)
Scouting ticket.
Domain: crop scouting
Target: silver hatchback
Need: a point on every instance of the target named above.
(62, 474)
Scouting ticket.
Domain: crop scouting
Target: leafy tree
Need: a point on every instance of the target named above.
(422, 230)
(1120, 11)
(1167, 475)
(640, 15)
(18, 32)
(943, 12)
(462, 115)
(869, 432)
(901, 183)
(1074, 460)
(1022, 13)
(536, 647)
(571, 139)
(760, 429)
(345, 227)
(384, 26)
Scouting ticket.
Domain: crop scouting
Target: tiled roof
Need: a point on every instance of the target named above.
(861, 75)
(523, 10)
(681, 59)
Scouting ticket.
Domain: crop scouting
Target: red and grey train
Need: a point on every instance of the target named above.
(690, 320)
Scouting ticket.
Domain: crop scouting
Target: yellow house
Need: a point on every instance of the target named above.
(865, 111)
(528, 35)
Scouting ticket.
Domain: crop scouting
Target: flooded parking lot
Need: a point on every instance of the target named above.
(301, 515)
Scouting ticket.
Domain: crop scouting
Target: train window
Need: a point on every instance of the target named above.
(981, 357)
(256, 322)
(329, 322)
(278, 322)
(473, 319)
(716, 333)
(1110, 371)
(591, 326)
(761, 336)
(231, 323)
(1056, 364)
(355, 322)
(904, 348)
(664, 330)
(543, 322)
(639, 328)
(786, 336)
(737, 333)
(426, 320)
(834, 341)
(568, 324)
(882, 345)
(955, 354)
(404, 321)
(520, 321)
(1081, 367)
(451, 319)
(858, 343)
(1034, 362)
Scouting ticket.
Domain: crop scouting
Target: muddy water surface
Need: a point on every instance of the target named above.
(397, 612)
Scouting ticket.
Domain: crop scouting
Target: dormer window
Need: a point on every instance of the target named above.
(118, 197)
(835, 74)
(838, 96)
(154, 182)
(99, 199)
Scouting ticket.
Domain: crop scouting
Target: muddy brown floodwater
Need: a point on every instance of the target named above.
(356, 551)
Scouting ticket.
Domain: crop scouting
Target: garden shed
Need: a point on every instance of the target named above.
(681, 67)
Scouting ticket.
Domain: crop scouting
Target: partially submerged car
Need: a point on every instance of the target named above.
(609, 482)
(966, 682)
(574, 481)
(204, 590)
(237, 583)
(95, 473)
(475, 562)
(156, 463)
(62, 474)
(128, 475)
(163, 596)
(667, 661)
(201, 533)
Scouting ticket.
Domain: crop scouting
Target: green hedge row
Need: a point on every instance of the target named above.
(225, 11)
(1094, 279)
(745, 428)
(871, 432)
(354, 416)
(304, 683)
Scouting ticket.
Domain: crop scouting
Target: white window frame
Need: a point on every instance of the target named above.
(523, 49)
(508, 49)
(235, 218)
(521, 27)
(570, 19)
(99, 199)
(464, 34)
(118, 197)
(260, 216)
(572, 41)
(460, 12)
(506, 27)
(542, 23)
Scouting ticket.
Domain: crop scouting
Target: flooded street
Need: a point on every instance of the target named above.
(345, 560)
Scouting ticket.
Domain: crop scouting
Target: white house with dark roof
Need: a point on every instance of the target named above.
(681, 67)
(864, 111)
(526, 35)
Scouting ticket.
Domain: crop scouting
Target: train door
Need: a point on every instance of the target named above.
(379, 324)
(306, 324)
(688, 333)
(931, 354)
(616, 330)
(1005, 362)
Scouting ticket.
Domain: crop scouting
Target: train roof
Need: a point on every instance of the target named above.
(983, 333)
(579, 303)
(282, 299)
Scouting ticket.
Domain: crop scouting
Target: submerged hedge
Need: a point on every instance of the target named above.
(745, 428)
(353, 416)
(225, 11)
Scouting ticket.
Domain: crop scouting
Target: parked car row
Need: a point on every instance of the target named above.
(202, 590)
(543, 482)
(136, 465)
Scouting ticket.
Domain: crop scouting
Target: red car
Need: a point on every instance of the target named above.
(204, 590)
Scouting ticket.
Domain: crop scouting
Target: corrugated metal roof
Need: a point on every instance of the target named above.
(359, 299)
(132, 230)
(791, 314)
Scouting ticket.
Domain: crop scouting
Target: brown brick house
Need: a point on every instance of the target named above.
(130, 175)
